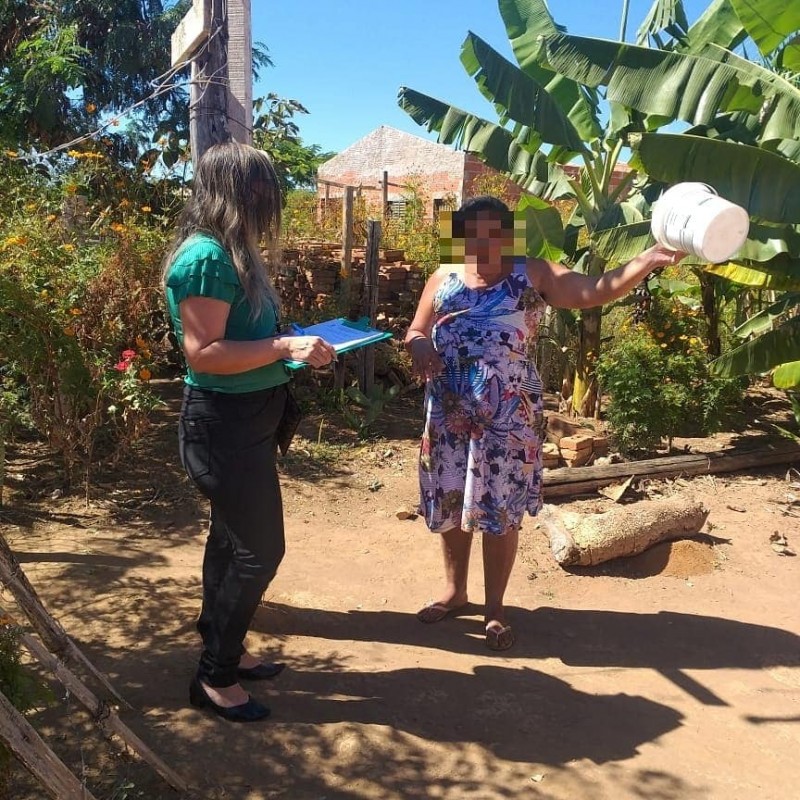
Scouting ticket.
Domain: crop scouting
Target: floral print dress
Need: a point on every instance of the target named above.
(480, 458)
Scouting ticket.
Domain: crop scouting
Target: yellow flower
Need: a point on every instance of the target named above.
(683, 337)
(117, 227)
(146, 209)
(144, 374)
(91, 108)
(74, 154)
(44, 293)
(11, 153)
(694, 340)
(124, 203)
(69, 247)
(51, 217)
(69, 330)
(30, 206)
(13, 241)
(71, 189)
(663, 344)
(76, 312)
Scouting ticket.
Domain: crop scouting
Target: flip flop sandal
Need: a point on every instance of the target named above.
(436, 612)
(499, 637)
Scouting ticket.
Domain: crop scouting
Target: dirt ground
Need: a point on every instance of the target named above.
(674, 675)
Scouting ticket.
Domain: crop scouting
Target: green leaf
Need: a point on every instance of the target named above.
(717, 25)
(759, 278)
(664, 15)
(517, 96)
(768, 22)
(765, 242)
(762, 354)
(694, 87)
(526, 21)
(518, 156)
(619, 245)
(763, 320)
(790, 56)
(544, 231)
(764, 183)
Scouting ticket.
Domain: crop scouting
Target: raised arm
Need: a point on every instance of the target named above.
(564, 288)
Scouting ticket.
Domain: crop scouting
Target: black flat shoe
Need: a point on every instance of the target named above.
(251, 711)
(261, 672)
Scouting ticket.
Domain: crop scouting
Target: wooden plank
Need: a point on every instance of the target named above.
(568, 482)
(240, 71)
(14, 579)
(385, 195)
(24, 742)
(347, 234)
(192, 32)
(105, 716)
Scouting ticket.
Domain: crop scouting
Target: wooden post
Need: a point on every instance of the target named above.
(208, 107)
(25, 743)
(385, 195)
(366, 355)
(347, 236)
(240, 71)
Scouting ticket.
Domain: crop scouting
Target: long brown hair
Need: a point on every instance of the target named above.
(236, 198)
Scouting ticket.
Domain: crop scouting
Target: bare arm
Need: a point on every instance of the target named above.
(564, 288)
(425, 360)
(207, 350)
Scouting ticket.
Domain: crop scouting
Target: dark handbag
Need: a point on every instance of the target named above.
(290, 419)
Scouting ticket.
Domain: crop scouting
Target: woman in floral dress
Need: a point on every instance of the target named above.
(472, 341)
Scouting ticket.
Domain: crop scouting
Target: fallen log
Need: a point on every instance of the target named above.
(573, 481)
(622, 531)
(21, 738)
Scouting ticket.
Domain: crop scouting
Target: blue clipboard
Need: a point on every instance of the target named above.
(344, 334)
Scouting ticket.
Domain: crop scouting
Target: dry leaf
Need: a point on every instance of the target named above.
(739, 509)
(538, 777)
(616, 491)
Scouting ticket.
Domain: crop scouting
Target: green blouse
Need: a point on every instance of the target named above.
(202, 268)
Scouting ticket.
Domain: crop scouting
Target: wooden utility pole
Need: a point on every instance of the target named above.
(216, 35)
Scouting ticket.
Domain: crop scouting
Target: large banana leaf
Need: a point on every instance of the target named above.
(784, 276)
(544, 231)
(765, 242)
(787, 376)
(517, 156)
(619, 245)
(764, 183)
(526, 21)
(670, 85)
(718, 25)
(664, 15)
(768, 22)
(762, 321)
(762, 354)
(518, 97)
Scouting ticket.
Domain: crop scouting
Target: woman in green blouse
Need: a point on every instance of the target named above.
(225, 313)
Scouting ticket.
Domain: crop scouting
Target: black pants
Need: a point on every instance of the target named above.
(227, 447)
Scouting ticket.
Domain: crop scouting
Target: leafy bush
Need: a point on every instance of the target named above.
(658, 384)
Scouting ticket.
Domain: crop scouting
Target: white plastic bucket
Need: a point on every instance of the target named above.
(693, 218)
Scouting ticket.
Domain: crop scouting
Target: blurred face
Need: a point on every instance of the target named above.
(485, 239)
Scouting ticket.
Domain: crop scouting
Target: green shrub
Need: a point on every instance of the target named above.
(658, 384)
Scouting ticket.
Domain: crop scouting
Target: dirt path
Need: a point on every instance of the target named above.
(672, 676)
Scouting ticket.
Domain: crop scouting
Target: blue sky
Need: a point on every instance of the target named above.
(345, 59)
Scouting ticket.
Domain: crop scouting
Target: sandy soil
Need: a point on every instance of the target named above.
(674, 675)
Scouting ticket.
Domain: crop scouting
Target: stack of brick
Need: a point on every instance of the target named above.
(570, 443)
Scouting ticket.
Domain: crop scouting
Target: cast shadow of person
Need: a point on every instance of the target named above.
(668, 642)
(518, 715)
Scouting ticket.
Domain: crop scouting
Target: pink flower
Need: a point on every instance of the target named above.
(121, 366)
(129, 355)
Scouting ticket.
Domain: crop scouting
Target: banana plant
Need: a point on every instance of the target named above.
(744, 142)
